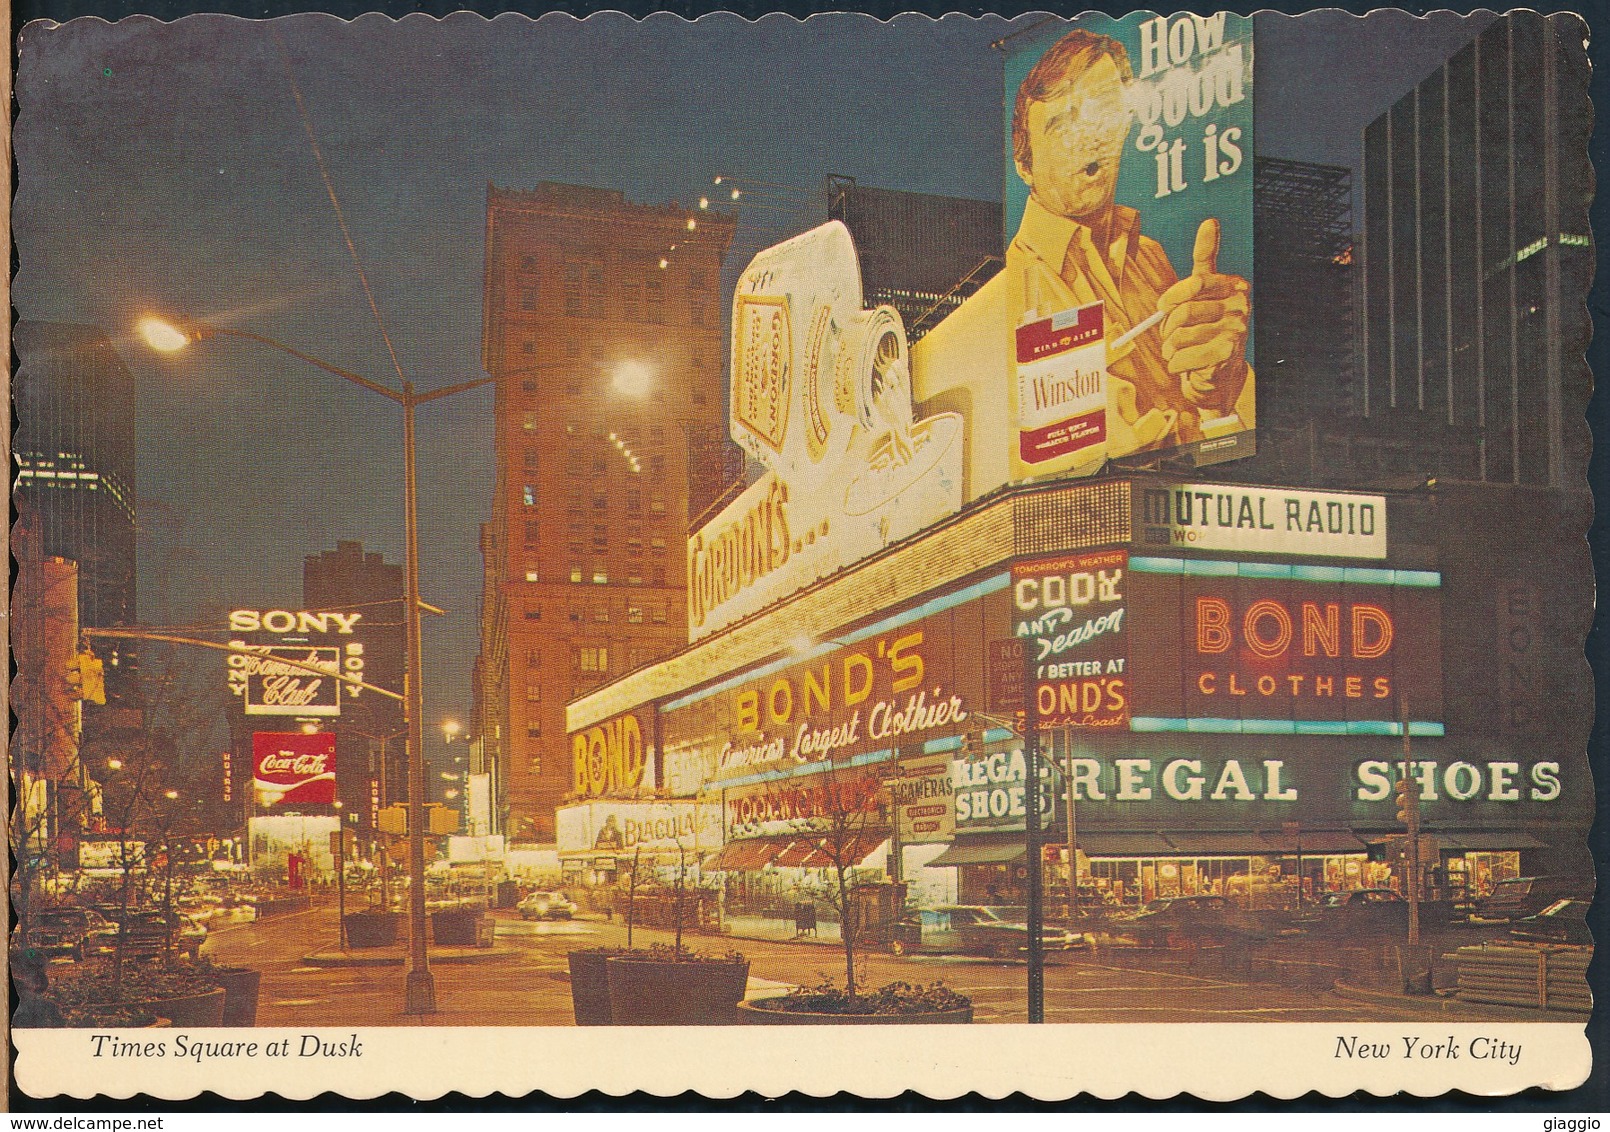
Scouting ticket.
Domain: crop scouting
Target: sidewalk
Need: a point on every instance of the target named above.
(778, 931)
(1453, 1007)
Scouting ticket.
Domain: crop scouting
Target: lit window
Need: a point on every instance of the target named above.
(531, 576)
(528, 495)
(533, 693)
(600, 577)
(528, 421)
(575, 573)
(634, 614)
(601, 613)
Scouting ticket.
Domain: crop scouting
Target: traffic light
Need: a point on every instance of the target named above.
(1407, 792)
(88, 676)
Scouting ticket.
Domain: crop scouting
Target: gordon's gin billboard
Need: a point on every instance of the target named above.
(293, 768)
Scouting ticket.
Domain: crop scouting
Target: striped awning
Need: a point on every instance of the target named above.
(792, 851)
(737, 856)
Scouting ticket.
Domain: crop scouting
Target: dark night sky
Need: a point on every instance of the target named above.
(164, 167)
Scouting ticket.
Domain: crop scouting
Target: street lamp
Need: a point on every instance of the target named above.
(420, 987)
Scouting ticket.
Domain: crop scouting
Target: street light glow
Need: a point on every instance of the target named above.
(164, 337)
(635, 379)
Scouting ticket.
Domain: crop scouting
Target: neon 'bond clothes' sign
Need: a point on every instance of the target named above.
(1275, 649)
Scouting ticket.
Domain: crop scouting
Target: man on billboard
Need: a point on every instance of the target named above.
(1183, 378)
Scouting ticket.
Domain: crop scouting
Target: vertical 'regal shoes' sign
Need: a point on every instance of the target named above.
(1129, 222)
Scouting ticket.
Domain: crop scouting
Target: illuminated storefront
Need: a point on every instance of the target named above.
(1231, 722)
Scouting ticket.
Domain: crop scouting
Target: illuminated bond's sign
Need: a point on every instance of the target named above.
(293, 768)
(609, 758)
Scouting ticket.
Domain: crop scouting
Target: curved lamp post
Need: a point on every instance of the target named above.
(420, 988)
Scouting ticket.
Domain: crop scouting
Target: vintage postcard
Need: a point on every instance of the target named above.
(1060, 536)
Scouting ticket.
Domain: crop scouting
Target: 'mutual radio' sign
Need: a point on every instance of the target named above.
(1264, 520)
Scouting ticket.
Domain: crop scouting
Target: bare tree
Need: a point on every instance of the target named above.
(846, 821)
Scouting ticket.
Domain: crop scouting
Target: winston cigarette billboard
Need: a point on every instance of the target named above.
(1120, 322)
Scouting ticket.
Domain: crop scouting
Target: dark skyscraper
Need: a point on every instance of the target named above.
(75, 460)
(1476, 253)
(349, 579)
(921, 254)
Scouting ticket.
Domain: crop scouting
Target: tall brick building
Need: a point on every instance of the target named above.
(603, 324)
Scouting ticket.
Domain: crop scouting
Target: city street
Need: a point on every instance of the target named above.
(523, 981)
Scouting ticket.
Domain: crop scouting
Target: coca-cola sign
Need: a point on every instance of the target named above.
(294, 768)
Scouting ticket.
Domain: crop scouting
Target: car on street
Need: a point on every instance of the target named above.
(1000, 931)
(148, 933)
(546, 906)
(75, 932)
(1179, 921)
(1564, 921)
(1359, 910)
(1523, 896)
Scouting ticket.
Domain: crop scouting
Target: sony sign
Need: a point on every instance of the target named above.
(286, 621)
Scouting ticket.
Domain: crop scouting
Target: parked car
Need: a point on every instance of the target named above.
(1523, 896)
(1564, 921)
(152, 933)
(1174, 921)
(996, 930)
(546, 906)
(1360, 910)
(74, 932)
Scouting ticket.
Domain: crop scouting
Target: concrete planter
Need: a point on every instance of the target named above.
(191, 1010)
(371, 929)
(662, 992)
(460, 927)
(589, 988)
(241, 987)
(757, 1014)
